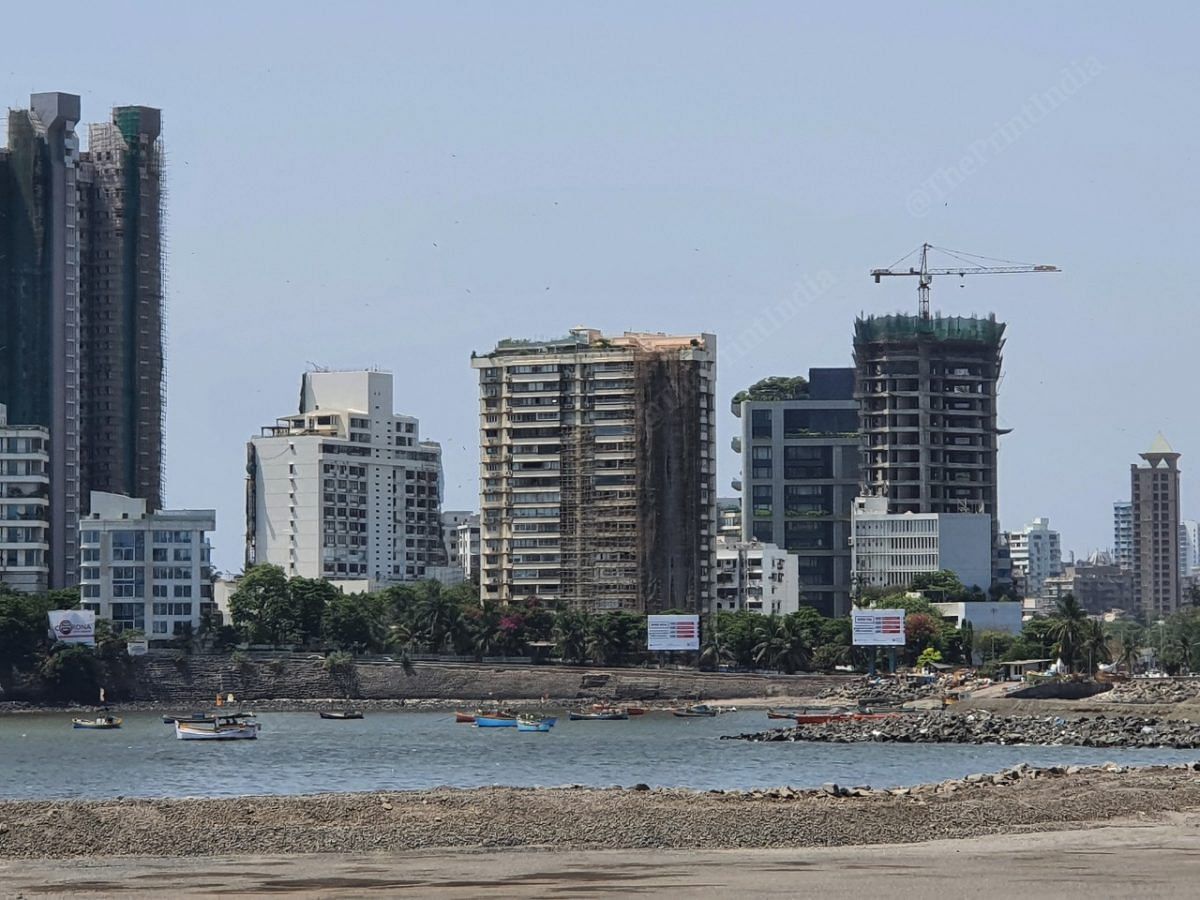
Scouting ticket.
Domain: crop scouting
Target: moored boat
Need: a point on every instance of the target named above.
(598, 715)
(501, 718)
(186, 717)
(342, 714)
(781, 714)
(464, 718)
(100, 723)
(698, 711)
(535, 723)
(628, 710)
(218, 728)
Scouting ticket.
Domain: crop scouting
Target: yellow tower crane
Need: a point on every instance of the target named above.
(972, 264)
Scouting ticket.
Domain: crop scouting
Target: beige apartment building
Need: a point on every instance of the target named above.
(598, 470)
(1154, 497)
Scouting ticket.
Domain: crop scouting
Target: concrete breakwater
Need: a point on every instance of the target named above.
(984, 728)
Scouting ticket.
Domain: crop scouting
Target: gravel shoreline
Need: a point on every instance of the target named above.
(1019, 799)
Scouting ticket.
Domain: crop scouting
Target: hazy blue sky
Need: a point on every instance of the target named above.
(397, 184)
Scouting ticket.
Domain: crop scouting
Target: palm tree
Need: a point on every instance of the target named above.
(604, 641)
(1068, 629)
(1095, 645)
(780, 645)
(483, 635)
(570, 635)
(437, 616)
(1128, 650)
(714, 651)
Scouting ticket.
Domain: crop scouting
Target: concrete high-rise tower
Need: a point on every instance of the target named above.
(598, 471)
(1155, 501)
(121, 211)
(39, 301)
(927, 398)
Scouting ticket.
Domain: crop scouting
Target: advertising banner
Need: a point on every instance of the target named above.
(878, 627)
(73, 626)
(673, 632)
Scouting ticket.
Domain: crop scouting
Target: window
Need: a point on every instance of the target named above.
(160, 627)
(803, 463)
(760, 424)
(762, 530)
(183, 590)
(90, 537)
(762, 500)
(761, 458)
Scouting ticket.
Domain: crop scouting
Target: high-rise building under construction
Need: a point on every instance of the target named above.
(121, 208)
(926, 388)
(598, 471)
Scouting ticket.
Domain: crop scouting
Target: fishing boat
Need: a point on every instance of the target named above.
(186, 717)
(342, 714)
(535, 723)
(218, 728)
(100, 723)
(628, 710)
(464, 718)
(781, 714)
(598, 715)
(501, 718)
(699, 711)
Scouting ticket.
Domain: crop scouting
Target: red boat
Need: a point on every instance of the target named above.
(464, 718)
(628, 710)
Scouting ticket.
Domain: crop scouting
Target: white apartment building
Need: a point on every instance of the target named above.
(1189, 547)
(466, 540)
(345, 489)
(889, 549)
(1123, 533)
(598, 470)
(1036, 553)
(24, 505)
(149, 571)
(757, 577)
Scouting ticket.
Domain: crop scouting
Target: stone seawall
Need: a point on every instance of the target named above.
(165, 678)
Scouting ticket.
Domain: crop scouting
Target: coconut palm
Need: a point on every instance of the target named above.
(1068, 629)
(780, 645)
(570, 635)
(604, 639)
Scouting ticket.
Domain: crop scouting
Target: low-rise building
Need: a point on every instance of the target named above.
(143, 570)
(24, 505)
(1098, 587)
(756, 577)
(890, 549)
(983, 615)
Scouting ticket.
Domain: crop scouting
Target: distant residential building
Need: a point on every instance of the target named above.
(1098, 586)
(889, 549)
(24, 505)
(345, 489)
(729, 518)
(598, 470)
(40, 302)
(144, 570)
(1123, 534)
(466, 538)
(1036, 554)
(1156, 525)
(755, 577)
(928, 392)
(983, 615)
(800, 475)
(451, 520)
(1189, 547)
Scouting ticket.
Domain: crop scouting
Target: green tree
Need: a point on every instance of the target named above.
(23, 630)
(570, 632)
(437, 618)
(928, 656)
(72, 672)
(353, 622)
(309, 599)
(775, 387)
(260, 606)
(944, 585)
(780, 645)
(1094, 648)
(605, 640)
(1068, 630)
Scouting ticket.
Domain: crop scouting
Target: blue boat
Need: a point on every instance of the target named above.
(495, 720)
(535, 723)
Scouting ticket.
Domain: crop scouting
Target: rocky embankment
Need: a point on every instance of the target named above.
(1149, 691)
(1022, 798)
(878, 693)
(984, 728)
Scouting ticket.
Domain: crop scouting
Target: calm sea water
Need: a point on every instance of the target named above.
(41, 756)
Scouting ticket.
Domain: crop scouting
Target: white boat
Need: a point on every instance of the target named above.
(218, 728)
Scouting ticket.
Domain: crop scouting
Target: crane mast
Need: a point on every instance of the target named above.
(972, 266)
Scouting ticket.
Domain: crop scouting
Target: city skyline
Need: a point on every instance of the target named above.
(726, 202)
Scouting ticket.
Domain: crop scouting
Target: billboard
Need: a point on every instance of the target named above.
(72, 626)
(673, 632)
(878, 627)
